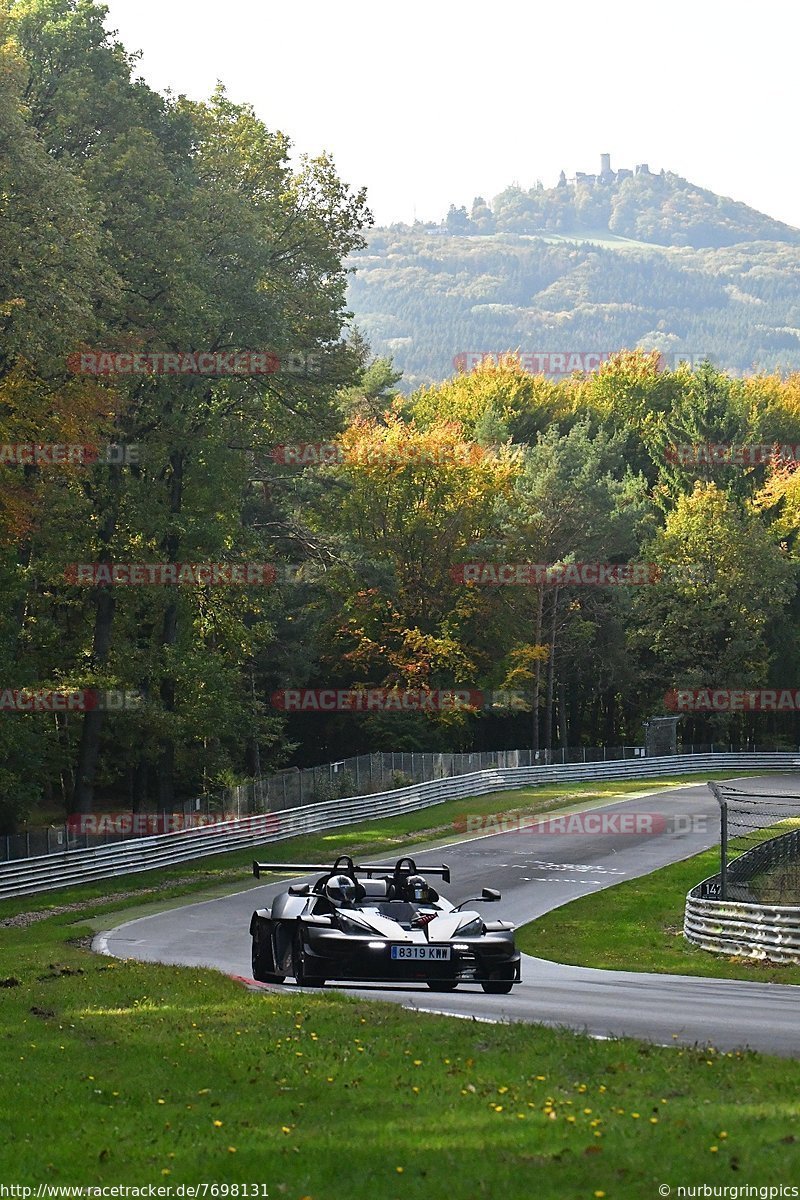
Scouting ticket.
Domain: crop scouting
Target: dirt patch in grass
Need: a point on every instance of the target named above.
(25, 919)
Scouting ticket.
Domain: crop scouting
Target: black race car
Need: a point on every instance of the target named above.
(381, 924)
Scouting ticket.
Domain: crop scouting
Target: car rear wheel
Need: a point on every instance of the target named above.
(442, 985)
(300, 964)
(263, 963)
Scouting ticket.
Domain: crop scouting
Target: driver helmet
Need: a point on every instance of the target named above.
(418, 889)
(340, 889)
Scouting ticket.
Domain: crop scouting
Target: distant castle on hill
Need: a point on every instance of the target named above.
(606, 174)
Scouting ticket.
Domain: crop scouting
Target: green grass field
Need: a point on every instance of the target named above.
(128, 1073)
(122, 1072)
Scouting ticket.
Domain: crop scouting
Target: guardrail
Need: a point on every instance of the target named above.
(740, 925)
(744, 930)
(294, 787)
(45, 873)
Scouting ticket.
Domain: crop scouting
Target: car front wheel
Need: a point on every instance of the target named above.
(300, 964)
(263, 963)
(501, 984)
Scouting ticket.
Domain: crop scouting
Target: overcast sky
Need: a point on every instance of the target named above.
(430, 102)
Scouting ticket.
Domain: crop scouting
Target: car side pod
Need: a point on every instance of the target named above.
(262, 954)
(261, 914)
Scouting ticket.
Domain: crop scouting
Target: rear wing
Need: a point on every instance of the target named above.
(345, 864)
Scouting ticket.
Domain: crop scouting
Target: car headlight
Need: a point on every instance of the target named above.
(473, 928)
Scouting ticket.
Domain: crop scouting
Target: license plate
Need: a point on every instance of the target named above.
(427, 953)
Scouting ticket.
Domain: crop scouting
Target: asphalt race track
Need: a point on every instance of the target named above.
(536, 873)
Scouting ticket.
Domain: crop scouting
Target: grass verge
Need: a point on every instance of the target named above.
(127, 1073)
(638, 926)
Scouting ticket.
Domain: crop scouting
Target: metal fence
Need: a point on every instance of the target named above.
(369, 773)
(751, 907)
(362, 775)
(81, 865)
(759, 845)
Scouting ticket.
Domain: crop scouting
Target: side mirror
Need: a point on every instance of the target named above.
(486, 894)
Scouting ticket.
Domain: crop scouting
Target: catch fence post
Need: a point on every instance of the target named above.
(716, 792)
(723, 850)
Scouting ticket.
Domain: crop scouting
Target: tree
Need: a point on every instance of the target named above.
(457, 220)
(374, 393)
(481, 217)
(570, 505)
(409, 501)
(708, 622)
(212, 242)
